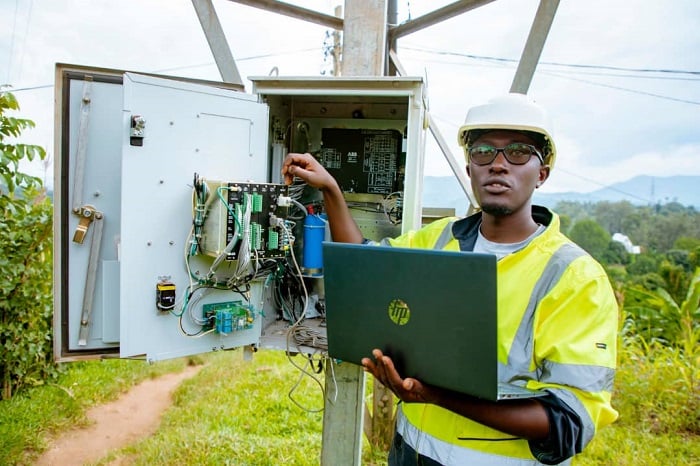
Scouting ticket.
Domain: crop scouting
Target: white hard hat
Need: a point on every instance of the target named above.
(511, 112)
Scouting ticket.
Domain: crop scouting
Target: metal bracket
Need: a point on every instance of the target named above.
(87, 214)
(81, 151)
(90, 279)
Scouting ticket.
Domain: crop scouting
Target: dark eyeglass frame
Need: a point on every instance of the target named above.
(505, 151)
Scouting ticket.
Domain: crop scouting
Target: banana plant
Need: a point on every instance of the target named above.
(656, 317)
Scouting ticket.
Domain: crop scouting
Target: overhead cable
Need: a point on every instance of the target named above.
(569, 65)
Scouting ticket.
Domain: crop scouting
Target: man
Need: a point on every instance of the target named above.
(557, 311)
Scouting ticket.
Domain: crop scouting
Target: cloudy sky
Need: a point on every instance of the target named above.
(621, 78)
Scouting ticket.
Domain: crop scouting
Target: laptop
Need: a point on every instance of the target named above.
(433, 312)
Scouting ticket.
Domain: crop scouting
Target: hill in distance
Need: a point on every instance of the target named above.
(444, 191)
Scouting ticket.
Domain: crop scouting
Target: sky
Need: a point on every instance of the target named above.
(620, 78)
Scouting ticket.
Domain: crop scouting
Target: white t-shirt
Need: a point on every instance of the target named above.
(501, 250)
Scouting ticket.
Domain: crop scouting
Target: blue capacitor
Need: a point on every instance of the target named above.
(314, 234)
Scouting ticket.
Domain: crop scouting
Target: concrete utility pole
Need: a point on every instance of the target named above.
(337, 44)
(364, 52)
(364, 38)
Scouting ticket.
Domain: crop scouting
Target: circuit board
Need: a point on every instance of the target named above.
(249, 212)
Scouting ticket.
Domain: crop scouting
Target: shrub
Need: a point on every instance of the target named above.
(25, 261)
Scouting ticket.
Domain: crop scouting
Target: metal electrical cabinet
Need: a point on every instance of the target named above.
(174, 234)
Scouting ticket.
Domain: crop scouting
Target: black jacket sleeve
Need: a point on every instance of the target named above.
(564, 440)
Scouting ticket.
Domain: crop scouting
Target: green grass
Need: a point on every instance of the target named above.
(657, 393)
(622, 446)
(27, 419)
(239, 413)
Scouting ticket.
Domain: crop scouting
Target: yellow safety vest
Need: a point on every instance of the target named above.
(557, 328)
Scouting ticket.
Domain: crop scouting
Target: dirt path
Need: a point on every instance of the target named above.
(133, 416)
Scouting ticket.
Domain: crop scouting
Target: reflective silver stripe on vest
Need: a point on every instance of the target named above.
(588, 378)
(445, 237)
(518, 367)
(449, 454)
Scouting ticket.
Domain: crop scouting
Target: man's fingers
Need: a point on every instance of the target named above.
(368, 364)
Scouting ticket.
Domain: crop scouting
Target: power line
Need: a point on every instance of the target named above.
(12, 42)
(634, 76)
(24, 39)
(626, 89)
(560, 75)
(618, 68)
(19, 89)
(253, 57)
(568, 65)
(503, 64)
(21, 47)
(620, 88)
(176, 68)
(610, 188)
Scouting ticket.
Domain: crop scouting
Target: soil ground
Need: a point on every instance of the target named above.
(135, 415)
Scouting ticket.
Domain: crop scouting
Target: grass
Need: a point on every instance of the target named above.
(27, 419)
(240, 413)
(657, 393)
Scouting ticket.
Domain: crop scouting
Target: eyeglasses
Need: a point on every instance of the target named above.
(517, 153)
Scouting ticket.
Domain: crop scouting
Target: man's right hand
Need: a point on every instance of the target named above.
(306, 167)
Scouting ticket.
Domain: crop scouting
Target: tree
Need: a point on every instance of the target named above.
(615, 253)
(642, 264)
(694, 257)
(611, 215)
(25, 260)
(687, 243)
(667, 228)
(13, 153)
(591, 237)
(573, 212)
(564, 223)
(676, 272)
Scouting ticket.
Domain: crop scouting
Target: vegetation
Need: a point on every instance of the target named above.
(591, 236)
(656, 228)
(656, 317)
(25, 261)
(225, 417)
(658, 381)
(33, 415)
(657, 396)
(237, 412)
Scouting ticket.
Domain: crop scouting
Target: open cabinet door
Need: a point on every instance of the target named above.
(131, 146)
(184, 129)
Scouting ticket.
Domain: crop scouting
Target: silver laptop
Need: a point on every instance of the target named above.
(433, 312)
